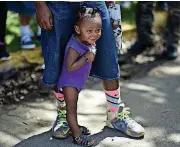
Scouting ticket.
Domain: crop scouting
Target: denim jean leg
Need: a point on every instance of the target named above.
(105, 65)
(54, 42)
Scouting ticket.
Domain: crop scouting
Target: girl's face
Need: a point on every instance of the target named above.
(89, 29)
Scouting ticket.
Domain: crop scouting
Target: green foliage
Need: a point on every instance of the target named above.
(128, 14)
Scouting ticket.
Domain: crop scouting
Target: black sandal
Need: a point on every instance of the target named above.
(83, 141)
(84, 130)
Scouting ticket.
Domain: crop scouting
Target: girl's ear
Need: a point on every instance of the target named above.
(77, 29)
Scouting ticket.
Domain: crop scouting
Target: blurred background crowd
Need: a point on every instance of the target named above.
(19, 30)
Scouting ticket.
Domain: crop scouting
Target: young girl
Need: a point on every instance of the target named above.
(79, 55)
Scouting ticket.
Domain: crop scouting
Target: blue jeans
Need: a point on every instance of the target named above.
(53, 42)
(23, 7)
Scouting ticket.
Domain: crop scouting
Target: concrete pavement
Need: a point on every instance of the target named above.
(153, 99)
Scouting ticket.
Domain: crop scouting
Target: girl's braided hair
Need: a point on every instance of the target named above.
(87, 12)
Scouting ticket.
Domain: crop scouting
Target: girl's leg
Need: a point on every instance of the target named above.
(71, 98)
(61, 128)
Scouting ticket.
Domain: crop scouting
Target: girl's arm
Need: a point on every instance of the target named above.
(73, 63)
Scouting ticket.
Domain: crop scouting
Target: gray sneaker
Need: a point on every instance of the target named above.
(124, 123)
(60, 128)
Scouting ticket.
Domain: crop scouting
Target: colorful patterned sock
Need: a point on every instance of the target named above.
(60, 99)
(113, 99)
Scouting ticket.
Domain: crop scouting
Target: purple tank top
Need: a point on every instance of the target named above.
(78, 77)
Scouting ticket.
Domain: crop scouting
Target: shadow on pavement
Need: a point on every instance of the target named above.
(45, 139)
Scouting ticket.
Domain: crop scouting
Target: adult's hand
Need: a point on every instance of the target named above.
(43, 15)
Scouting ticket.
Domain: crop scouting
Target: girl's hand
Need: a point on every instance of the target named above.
(90, 56)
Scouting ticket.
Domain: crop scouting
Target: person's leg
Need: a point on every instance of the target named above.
(115, 17)
(112, 91)
(60, 128)
(39, 33)
(144, 24)
(24, 20)
(26, 10)
(71, 98)
(3, 16)
(173, 30)
(118, 117)
(26, 34)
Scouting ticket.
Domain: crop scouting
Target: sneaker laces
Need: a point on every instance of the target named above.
(123, 114)
(61, 122)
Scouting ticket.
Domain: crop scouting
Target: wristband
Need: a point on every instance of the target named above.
(86, 59)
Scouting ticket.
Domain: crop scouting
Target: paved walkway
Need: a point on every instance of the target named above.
(154, 100)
